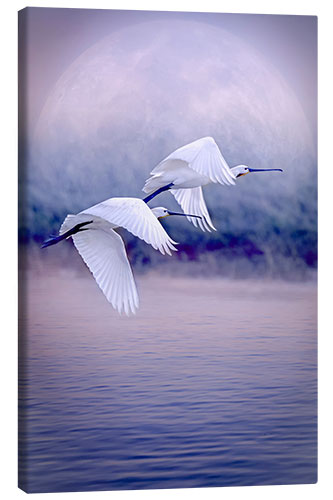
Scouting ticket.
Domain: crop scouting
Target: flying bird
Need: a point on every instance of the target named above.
(187, 169)
(102, 248)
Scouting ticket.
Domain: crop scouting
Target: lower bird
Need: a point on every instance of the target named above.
(190, 167)
(102, 248)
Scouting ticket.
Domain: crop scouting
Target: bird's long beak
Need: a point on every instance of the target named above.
(265, 170)
(184, 215)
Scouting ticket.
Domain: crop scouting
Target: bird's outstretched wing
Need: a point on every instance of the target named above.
(134, 215)
(102, 249)
(204, 157)
(192, 201)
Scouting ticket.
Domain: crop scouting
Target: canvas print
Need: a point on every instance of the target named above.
(167, 250)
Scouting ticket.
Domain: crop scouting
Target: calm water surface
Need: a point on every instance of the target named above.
(213, 383)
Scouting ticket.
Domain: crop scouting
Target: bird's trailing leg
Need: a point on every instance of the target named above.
(70, 232)
(158, 191)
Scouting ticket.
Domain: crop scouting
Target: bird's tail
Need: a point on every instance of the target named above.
(152, 184)
(68, 223)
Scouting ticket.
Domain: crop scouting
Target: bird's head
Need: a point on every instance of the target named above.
(161, 212)
(241, 170)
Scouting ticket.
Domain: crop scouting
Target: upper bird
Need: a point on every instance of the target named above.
(103, 250)
(187, 169)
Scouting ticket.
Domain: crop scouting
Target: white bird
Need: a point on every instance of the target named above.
(103, 250)
(187, 169)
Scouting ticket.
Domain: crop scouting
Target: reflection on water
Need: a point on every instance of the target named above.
(213, 383)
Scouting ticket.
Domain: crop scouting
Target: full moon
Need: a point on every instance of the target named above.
(138, 94)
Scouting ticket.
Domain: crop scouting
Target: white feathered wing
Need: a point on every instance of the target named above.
(192, 201)
(103, 250)
(104, 253)
(204, 157)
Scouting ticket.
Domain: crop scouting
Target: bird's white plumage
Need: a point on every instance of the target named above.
(188, 168)
(102, 249)
(134, 215)
(104, 253)
(192, 201)
(204, 157)
(69, 222)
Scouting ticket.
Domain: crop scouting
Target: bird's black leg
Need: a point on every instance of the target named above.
(158, 191)
(70, 232)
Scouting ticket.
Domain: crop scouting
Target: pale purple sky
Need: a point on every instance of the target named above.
(56, 37)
